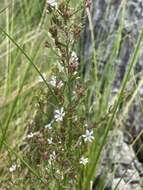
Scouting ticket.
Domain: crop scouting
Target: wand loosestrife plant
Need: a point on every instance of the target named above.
(61, 139)
(59, 135)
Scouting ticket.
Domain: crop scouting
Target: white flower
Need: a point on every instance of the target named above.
(74, 58)
(83, 160)
(60, 84)
(52, 3)
(53, 81)
(88, 136)
(40, 78)
(75, 73)
(59, 114)
(31, 135)
(50, 141)
(49, 125)
(52, 157)
(74, 92)
(12, 168)
(77, 78)
(58, 171)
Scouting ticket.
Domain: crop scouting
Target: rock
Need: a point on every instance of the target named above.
(122, 185)
(121, 162)
(97, 183)
(135, 127)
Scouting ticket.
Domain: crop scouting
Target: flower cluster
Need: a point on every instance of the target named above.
(59, 114)
(88, 136)
(83, 160)
(74, 62)
(50, 141)
(55, 83)
(13, 168)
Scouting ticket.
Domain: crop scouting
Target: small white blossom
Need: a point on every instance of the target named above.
(53, 81)
(88, 136)
(31, 135)
(74, 58)
(50, 141)
(59, 114)
(77, 78)
(74, 92)
(52, 157)
(12, 168)
(83, 160)
(74, 63)
(58, 171)
(60, 84)
(52, 3)
(49, 125)
(75, 73)
(40, 78)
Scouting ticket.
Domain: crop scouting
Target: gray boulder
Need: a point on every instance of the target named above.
(119, 164)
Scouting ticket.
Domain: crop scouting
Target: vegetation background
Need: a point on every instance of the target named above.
(27, 102)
